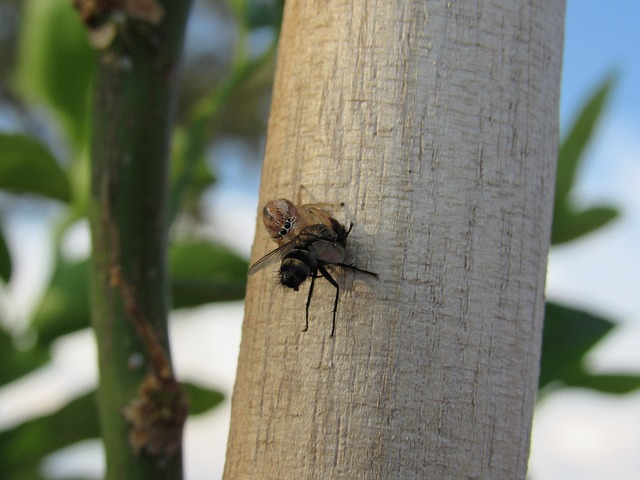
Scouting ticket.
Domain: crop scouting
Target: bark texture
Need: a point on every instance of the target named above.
(436, 123)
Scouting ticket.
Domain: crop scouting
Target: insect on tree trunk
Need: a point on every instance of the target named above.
(436, 124)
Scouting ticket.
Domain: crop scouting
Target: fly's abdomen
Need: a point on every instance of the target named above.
(296, 266)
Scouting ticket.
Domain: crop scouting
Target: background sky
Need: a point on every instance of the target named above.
(577, 434)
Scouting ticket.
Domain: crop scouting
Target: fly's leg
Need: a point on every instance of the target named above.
(306, 317)
(322, 205)
(361, 270)
(299, 197)
(330, 279)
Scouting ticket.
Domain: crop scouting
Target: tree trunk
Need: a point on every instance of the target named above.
(436, 123)
(142, 407)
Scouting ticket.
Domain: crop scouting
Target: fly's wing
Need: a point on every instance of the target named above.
(271, 257)
(328, 252)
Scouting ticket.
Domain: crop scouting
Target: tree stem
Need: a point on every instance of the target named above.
(133, 112)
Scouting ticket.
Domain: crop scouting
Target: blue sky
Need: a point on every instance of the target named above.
(602, 37)
(580, 434)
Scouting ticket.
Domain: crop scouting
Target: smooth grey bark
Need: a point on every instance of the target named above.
(437, 124)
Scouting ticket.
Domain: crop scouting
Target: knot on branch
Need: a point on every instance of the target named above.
(157, 416)
(158, 412)
(102, 17)
(95, 13)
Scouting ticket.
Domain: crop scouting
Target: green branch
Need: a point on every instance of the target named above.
(142, 407)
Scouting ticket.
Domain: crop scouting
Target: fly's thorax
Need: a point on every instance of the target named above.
(316, 232)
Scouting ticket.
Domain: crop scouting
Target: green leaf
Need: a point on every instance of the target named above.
(568, 335)
(577, 139)
(201, 399)
(25, 445)
(614, 384)
(64, 308)
(55, 62)
(264, 14)
(204, 272)
(569, 225)
(16, 363)
(26, 166)
(5, 259)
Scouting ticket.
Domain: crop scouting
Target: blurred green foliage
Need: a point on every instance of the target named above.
(56, 64)
(570, 333)
(569, 223)
(28, 167)
(54, 71)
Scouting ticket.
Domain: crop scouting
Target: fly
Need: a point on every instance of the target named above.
(310, 239)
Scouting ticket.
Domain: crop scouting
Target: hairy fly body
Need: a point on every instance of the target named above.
(310, 239)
